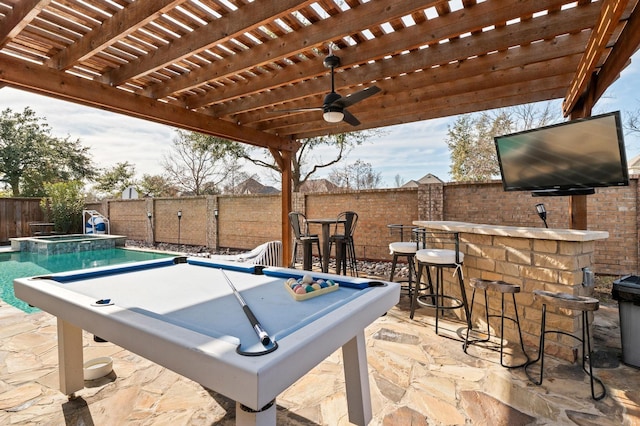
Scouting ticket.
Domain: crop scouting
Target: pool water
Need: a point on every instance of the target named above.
(24, 264)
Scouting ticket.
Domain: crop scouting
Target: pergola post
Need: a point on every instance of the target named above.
(578, 203)
(283, 159)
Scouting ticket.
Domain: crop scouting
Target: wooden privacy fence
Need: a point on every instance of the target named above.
(15, 216)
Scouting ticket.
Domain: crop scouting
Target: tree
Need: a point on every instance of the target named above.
(197, 163)
(64, 203)
(359, 175)
(157, 186)
(470, 138)
(116, 179)
(633, 121)
(398, 181)
(31, 157)
(304, 164)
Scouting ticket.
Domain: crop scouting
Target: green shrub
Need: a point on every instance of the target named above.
(64, 205)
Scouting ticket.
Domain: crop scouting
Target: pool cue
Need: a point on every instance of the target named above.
(264, 337)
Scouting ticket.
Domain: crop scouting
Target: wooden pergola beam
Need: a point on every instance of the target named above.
(586, 89)
(46, 81)
(626, 46)
(313, 72)
(609, 18)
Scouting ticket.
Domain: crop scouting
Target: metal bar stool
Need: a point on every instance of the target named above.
(502, 288)
(439, 259)
(345, 246)
(575, 303)
(302, 237)
(406, 249)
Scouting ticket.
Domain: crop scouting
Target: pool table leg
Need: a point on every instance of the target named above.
(70, 357)
(356, 376)
(248, 417)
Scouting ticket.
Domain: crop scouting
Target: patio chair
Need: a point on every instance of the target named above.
(267, 254)
(343, 239)
(302, 237)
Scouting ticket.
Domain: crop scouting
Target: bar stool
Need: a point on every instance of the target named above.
(302, 237)
(439, 259)
(345, 246)
(406, 249)
(574, 303)
(502, 288)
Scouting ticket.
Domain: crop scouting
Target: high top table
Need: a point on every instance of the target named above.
(182, 314)
(326, 235)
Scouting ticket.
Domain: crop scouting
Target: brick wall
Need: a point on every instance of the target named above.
(376, 209)
(247, 221)
(132, 218)
(610, 209)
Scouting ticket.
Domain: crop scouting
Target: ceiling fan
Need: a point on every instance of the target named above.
(334, 106)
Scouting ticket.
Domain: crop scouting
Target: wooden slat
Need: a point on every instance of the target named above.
(121, 24)
(572, 21)
(291, 44)
(626, 45)
(610, 16)
(232, 62)
(250, 17)
(21, 16)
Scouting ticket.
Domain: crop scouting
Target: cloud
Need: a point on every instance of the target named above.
(112, 138)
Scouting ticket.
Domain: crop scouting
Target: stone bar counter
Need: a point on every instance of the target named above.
(536, 259)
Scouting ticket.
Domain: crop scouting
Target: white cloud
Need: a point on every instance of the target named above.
(112, 138)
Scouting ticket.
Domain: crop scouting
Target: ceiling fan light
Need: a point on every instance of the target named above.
(333, 116)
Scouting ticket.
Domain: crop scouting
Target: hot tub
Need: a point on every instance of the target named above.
(73, 243)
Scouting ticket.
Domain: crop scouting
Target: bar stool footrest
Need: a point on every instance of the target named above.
(583, 304)
(457, 303)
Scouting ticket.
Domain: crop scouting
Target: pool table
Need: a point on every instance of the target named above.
(182, 314)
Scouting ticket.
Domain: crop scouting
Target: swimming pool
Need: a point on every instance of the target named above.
(24, 264)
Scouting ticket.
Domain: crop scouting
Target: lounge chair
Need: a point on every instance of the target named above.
(267, 254)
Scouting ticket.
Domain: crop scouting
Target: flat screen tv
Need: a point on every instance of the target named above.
(565, 159)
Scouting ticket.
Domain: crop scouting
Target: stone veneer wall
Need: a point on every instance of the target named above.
(534, 264)
(249, 220)
(46, 246)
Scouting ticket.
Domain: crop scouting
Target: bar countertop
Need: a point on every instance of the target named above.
(558, 234)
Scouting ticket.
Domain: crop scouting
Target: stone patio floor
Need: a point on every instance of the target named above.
(416, 378)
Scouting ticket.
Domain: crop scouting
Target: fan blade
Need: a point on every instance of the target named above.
(349, 100)
(350, 118)
(297, 109)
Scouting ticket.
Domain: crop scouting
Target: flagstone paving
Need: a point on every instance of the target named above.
(416, 377)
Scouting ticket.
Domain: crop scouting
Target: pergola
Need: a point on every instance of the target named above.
(230, 67)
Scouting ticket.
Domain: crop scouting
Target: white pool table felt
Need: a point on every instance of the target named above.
(198, 298)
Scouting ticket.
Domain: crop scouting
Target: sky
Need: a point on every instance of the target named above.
(409, 151)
